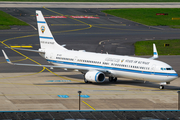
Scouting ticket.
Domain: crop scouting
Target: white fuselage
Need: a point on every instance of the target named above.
(118, 65)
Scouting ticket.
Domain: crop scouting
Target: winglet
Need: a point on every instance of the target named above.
(6, 57)
(155, 53)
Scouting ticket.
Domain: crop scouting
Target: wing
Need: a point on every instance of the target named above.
(75, 68)
(36, 51)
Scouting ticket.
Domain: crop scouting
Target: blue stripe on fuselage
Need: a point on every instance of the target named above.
(46, 37)
(113, 68)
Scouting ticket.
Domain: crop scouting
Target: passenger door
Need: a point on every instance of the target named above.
(153, 68)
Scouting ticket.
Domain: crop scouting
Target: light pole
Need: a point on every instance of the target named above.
(79, 99)
(178, 100)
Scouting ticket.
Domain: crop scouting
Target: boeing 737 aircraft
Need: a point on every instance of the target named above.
(96, 66)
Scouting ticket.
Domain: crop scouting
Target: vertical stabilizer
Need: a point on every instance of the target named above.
(46, 38)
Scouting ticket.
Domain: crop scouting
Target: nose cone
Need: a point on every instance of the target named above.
(174, 75)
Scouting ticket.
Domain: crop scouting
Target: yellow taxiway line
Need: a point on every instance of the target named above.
(88, 105)
(21, 46)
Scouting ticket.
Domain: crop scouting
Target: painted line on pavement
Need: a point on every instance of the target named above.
(88, 105)
(21, 46)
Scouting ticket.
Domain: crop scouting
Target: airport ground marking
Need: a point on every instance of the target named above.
(88, 105)
(15, 60)
(24, 75)
(21, 46)
(67, 16)
(122, 29)
(132, 86)
(170, 93)
(85, 24)
(2, 42)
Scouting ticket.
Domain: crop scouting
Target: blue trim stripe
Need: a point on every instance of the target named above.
(41, 22)
(7, 60)
(155, 53)
(112, 68)
(96, 76)
(46, 37)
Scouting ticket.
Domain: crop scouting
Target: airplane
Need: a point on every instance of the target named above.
(95, 67)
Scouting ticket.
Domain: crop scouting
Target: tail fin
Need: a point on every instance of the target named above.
(46, 38)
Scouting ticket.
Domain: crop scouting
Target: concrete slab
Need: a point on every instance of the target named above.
(35, 93)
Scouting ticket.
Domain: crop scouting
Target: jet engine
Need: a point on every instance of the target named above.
(95, 76)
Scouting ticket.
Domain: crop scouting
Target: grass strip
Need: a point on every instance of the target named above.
(7, 20)
(146, 47)
(3, 27)
(148, 16)
(94, 0)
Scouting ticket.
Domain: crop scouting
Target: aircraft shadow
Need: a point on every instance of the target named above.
(107, 83)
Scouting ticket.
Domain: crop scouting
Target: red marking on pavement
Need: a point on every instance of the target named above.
(84, 17)
(56, 17)
(161, 13)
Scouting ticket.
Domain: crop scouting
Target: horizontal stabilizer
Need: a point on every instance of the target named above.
(6, 57)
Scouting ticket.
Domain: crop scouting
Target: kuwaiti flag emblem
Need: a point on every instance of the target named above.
(42, 29)
(122, 60)
(36, 14)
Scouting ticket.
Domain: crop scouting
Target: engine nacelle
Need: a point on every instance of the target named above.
(95, 76)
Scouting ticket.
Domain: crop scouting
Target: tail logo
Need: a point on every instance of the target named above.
(122, 60)
(42, 29)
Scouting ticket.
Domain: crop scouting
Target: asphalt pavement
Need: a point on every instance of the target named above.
(103, 34)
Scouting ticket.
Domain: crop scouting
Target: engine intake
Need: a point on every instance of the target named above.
(95, 76)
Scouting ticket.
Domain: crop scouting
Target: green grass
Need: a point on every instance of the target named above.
(2, 27)
(94, 0)
(148, 16)
(146, 47)
(7, 20)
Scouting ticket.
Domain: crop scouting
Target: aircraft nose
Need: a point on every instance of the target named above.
(175, 74)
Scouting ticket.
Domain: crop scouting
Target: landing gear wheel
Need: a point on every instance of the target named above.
(115, 79)
(85, 81)
(161, 87)
(112, 79)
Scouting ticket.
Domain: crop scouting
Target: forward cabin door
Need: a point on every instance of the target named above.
(153, 69)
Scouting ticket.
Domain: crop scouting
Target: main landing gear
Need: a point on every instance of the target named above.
(161, 87)
(112, 79)
(85, 81)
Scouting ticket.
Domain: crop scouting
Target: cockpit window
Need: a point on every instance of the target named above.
(166, 68)
(169, 68)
